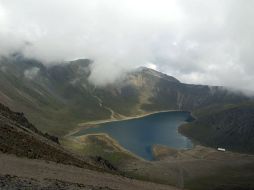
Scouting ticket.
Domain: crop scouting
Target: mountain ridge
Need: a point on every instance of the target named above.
(62, 95)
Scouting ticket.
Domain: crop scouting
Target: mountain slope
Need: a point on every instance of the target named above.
(48, 96)
(58, 97)
(19, 137)
(230, 127)
(24, 174)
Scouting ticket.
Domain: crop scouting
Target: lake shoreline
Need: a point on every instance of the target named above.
(138, 135)
(91, 124)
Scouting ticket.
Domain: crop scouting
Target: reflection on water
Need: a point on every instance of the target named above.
(138, 135)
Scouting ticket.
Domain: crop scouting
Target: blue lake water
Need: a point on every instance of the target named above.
(140, 134)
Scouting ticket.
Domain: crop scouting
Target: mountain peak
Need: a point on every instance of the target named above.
(158, 74)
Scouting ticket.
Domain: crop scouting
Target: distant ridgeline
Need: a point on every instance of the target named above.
(58, 97)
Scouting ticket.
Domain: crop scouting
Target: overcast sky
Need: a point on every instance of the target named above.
(197, 41)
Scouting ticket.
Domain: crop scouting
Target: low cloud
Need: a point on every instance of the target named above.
(203, 42)
(31, 73)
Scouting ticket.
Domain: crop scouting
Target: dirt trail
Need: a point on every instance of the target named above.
(112, 116)
(41, 170)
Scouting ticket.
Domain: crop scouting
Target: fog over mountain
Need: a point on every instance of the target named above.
(204, 42)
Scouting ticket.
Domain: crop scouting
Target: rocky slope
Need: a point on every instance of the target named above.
(8, 182)
(19, 137)
(24, 174)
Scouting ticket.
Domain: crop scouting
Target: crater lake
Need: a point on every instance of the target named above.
(138, 135)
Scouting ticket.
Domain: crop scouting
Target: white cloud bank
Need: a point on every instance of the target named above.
(197, 41)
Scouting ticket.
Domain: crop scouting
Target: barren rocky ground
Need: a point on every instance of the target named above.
(23, 173)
